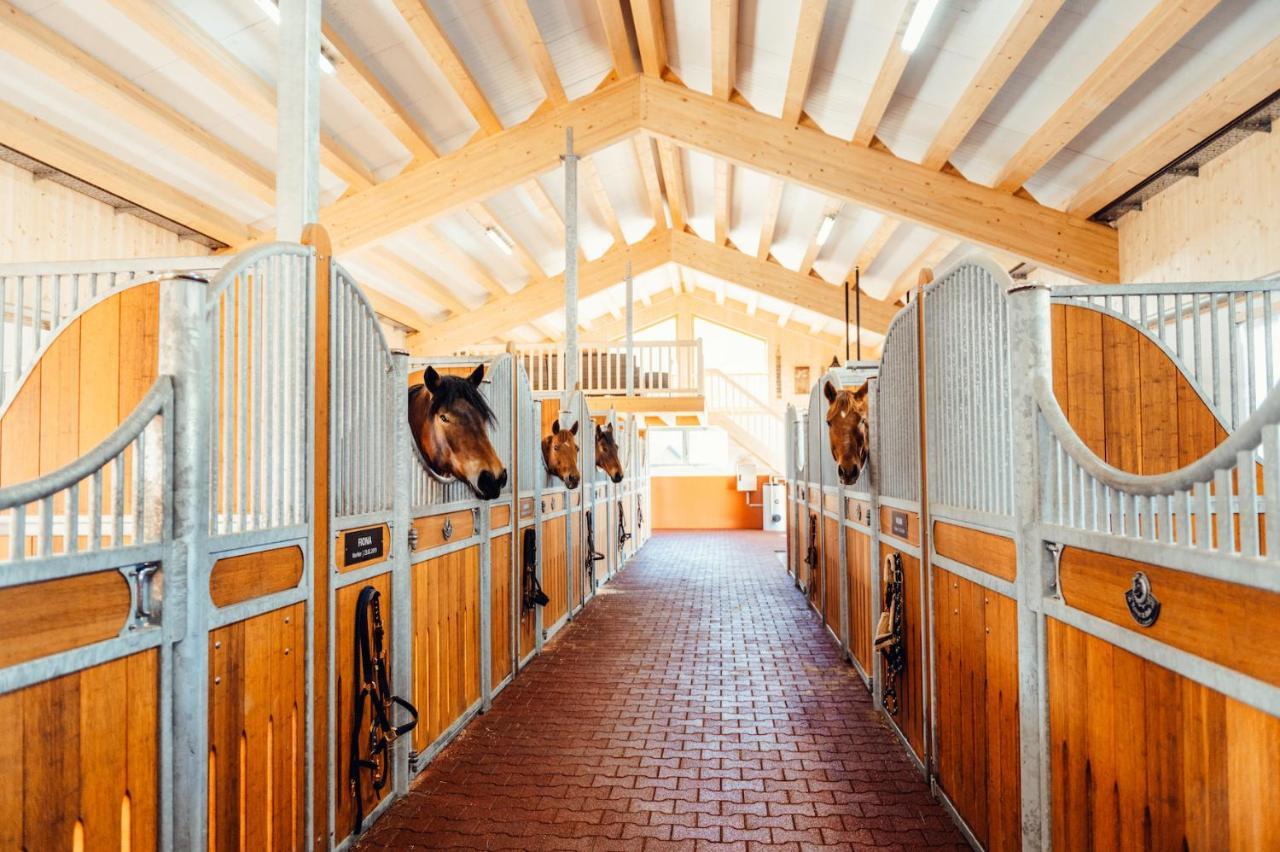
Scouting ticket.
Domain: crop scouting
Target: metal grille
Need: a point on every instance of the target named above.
(967, 409)
(898, 410)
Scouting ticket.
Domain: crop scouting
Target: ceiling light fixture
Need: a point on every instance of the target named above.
(499, 239)
(919, 20)
(824, 230)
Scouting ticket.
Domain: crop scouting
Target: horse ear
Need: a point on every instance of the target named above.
(555, 427)
(829, 391)
(477, 375)
(431, 379)
(860, 396)
(609, 428)
(573, 430)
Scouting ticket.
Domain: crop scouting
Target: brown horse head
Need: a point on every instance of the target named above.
(449, 419)
(607, 453)
(560, 454)
(847, 426)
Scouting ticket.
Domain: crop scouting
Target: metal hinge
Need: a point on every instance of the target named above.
(1051, 581)
(145, 594)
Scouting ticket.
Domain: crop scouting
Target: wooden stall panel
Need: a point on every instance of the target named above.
(554, 571)
(831, 574)
(344, 694)
(976, 646)
(446, 641)
(576, 536)
(39, 619)
(528, 617)
(500, 590)
(862, 613)
(236, 579)
(910, 717)
(432, 529)
(257, 721)
(987, 552)
(817, 571)
(79, 757)
(1145, 758)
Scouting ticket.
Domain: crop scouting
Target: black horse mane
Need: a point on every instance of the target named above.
(454, 389)
(608, 438)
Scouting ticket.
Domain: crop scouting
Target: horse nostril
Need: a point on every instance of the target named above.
(617, 477)
(502, 478)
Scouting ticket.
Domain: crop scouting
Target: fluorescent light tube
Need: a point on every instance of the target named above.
(919, 20)
(499, 239)
(824, 230)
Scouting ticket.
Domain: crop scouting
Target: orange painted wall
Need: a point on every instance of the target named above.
(703, 503)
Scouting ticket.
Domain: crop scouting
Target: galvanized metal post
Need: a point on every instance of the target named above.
(298, 127)
(570, 268)
(486, 608)
(401, 569)
(631, 331)
(873, 504)
(184, 353)
(1031, 360)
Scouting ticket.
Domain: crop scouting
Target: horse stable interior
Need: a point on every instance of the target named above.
(639, 424)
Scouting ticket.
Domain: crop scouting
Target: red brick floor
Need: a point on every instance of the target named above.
(695, 704)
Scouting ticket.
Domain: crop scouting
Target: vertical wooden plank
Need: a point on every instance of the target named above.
(1121, 383)
(51, 761)
(500, 581)
(258, 635)
(11, 755)
(226, 724)
(1158, 403)
(992, 713)
(1163, 769)
(103, 715)
(60, 401)
(20, 432)
(139, 344)
(99, 402)
(143, 758)
(1100, 773)
(1087, 364)
(1130, 747)
(1206, 782)
(1061, 356)
(1253, 753)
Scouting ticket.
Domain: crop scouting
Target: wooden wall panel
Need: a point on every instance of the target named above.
(92, 376)
(578, 536)
(344, 696)
(235, 579)
(501, 582)
(257, 722)
(554, 570)
(831, 578)
(862, 613)
(41, 221)
(1145, 758)
(1124, 397)
(81, 750)
(985, 551)
(703, 503)
(446, 641)
(39, 619)
(975, 647)
(528, 618)
(912, 701)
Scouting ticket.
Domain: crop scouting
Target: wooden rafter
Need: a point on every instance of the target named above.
(1250, 82)
(672, 165)
(397, 268)
(600, 198)
(171, 27)
(543, 66)
(519, 250)
(875, 244)
(929, 258)
(808, 31)
(360, 80)
(1160, 30)
(648, 163)
(724, 201)
(40, 140)
(1025, 26)
(832, 208)
(772, 207)
(460, 260)
(30, 41)
(425, 26)
(651, 36)
(724, 47)
(394, 310)
(615, 33)
(891, 68)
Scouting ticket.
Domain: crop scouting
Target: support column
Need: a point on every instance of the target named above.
(298, 125)
(631, 331)
(570, 269)
(402, 567)
(1031, 362)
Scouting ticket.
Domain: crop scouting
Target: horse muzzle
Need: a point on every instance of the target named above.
(848, 475)
(490, 486)
(617, 477)
(571, 482)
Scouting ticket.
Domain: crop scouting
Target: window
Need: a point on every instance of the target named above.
(688, 450)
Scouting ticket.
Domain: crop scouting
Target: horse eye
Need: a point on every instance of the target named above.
(444, 418)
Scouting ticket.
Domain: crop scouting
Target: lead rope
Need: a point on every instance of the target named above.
(369, 670)
(889, 640)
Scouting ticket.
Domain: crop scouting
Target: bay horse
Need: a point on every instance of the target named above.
(560, 454)
(607, 453)
(449, 420)
(847, 427)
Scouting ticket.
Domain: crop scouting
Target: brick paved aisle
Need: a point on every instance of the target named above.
(695, 704)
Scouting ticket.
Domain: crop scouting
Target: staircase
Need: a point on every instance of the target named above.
(735, 405)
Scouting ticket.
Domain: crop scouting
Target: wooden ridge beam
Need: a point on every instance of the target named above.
(1250, 82)
(1025, 26)
(31, 42)
(42, 141)
(879, 180)
(1160, 30)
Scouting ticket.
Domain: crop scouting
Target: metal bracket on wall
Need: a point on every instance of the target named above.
(145, 595)
(1051, 581)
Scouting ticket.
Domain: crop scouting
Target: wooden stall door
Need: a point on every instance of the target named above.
(976, 647)
(79, 758)
(910, 717)
(500, 587)
(257, 722)
(446, 641)
(831, 574)
(862, 613)
(1145, 758)
(554, 567)
(576, 536)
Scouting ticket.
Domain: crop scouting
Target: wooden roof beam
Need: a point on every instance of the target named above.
(891, 68)
(832, 208)
(460, 260)
(615, 33)
(724, 47)
(772, 207)
(928, 259)
(724, 201)
(397, 268)
(425, 26)
(30, 41)
(1025, 26)
(651, 36)
(1160, 30)
(595, 189)
(875, 244)
(808, 31)
(672, 165)
(543, 66)
(645, 156)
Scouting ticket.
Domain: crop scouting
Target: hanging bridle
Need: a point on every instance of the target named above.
(890, 645)
(623, 535)
(369, 677)
(592, 557)
(531, 590)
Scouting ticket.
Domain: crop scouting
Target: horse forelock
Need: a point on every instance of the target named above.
(453, 390)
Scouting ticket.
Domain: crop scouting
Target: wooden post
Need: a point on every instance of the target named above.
(321, 557)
